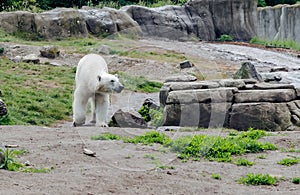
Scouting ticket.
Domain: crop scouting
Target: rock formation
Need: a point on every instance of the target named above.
(280, 22)
(204, 19)
(237, 104)
(198, 19)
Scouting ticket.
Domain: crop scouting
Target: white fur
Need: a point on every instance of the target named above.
(94, 83)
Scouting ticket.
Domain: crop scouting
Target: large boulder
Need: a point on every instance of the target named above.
(261, 115)
(204, 19)
(3, 109)
(108, 21)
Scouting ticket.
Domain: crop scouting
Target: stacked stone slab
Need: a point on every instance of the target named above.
(231, 103)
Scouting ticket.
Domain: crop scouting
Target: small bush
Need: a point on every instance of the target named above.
(225, 38)
(258, 179)
(289, 161)
(296, 180)
(6, 120)
(10, 163)
(149, 138)
(244, 162)
(1, 50)
(216, 176)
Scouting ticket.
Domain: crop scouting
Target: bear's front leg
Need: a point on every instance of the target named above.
(101, 104)
(79, 107)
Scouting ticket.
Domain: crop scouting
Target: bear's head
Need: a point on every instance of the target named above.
(109, 83)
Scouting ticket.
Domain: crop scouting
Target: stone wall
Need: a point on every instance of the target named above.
(280, 22)
(237, 104)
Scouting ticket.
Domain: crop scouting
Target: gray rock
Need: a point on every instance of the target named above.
(247, 71)
(31, 58)
(275, 95)
(127, 119)
(261, 115)
(108, 21)
(272, 86)
(60, 23)
(104, 49)
(197, 115)
(151, 103)
(202, 19)
(3, 109)
(185, 64)
(200, 96)
(279, 22)
(181, 78)
(49, 51)
(17, 59)
(2, 158)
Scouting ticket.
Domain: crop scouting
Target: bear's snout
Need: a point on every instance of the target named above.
(119, 88)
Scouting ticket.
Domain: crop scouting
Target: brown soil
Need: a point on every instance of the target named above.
(122, 168)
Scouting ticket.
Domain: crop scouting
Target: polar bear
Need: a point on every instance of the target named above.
(94, 84)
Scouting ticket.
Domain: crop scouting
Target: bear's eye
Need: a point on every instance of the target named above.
(112, 81)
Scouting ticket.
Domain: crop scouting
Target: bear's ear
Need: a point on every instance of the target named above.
(99, 78)
(116, 75)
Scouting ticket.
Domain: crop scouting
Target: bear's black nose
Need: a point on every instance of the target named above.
(120, 88)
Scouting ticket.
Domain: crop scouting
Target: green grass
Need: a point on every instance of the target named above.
(11, 164)
(36, 94)
(261, 156)
(289, 161)
(277, 43)
(149, 138)
(214, 148)
(219, 148)
(216, 176)
(106, 136)
(243, 162)
(259, 179)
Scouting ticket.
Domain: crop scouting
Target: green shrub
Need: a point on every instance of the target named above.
(296, 180)
(11, 164)
(258, 179)
(6, 120)
(149, 138)
(216, 176)
(244, 162)
(1, 50)
(225, 38)
(289, 161)
(106, 136)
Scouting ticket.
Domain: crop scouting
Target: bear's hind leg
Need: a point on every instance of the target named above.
(102, 103)
(79, 108)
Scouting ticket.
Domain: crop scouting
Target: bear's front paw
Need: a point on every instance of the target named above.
(103, 124)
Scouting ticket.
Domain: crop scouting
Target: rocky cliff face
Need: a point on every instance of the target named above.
(68, 22)
(204, 19)
(280, 22)
(200, 19)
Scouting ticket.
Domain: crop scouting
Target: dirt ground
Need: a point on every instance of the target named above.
(123, 168)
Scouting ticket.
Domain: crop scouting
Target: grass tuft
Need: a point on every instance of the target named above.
(259, 179)
(289, 161)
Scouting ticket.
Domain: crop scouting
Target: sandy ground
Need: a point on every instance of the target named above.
(120, 168)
